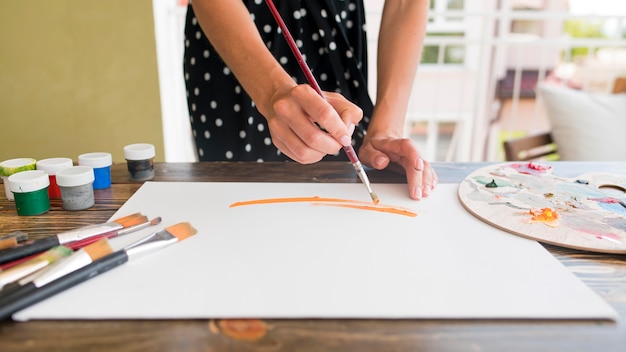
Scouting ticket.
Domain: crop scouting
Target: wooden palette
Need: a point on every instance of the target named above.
(587, 212)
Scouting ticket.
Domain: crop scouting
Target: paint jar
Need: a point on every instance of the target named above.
(140, 161)
(13, 166)
(51, 166)
(76, 184)
(101, 164)
(30, 189)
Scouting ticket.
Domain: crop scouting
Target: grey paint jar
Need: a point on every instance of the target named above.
(140, 161)
(76, 184)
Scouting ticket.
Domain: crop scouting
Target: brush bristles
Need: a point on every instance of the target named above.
(181, 230)
(8, 243)
(98, 249)
(375, 198)
(132, 220)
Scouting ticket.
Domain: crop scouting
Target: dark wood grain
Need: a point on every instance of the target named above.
(605, 274)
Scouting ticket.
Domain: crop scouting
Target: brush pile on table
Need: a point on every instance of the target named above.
(31, 271)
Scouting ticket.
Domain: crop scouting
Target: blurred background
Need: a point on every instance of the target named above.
(82, 75)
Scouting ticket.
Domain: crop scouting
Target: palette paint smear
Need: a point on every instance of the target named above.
(587, 212)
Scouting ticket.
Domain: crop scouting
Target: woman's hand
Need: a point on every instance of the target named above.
(379, 151)
(298, 115)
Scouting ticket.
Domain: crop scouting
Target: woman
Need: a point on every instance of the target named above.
(245, 102)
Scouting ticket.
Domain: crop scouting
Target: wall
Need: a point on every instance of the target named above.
(77, 76)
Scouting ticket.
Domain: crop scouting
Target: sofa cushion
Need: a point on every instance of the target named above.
(586, 126)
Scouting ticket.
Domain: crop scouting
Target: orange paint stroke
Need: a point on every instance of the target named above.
(333, 202)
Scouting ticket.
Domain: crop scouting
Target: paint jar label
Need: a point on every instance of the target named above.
(140, 170)
(76, 184)
(102, 177)
(54, 192)
(32, 203)
(77, 197)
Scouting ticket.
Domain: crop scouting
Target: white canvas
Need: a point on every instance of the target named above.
(298, 260)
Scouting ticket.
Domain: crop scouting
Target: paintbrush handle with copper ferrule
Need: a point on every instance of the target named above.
(36, 247)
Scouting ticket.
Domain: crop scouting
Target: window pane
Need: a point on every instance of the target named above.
(455, 54)
(430, 54)
(452, 53)
(456, 4)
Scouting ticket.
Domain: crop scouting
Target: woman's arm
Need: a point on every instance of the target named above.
(289, 108)
(402, 31)
(400, 42)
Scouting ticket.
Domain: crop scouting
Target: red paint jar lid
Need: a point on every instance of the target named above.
(53, 165)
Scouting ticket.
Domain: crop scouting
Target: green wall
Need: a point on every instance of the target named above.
(77, 76)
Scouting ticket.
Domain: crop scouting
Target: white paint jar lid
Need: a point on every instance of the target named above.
(12, 166)
(75, 176)
(28, 181)
(53, 165)
(139, 151)
(95, 160)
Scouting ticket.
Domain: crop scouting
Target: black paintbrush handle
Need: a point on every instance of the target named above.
(14, 290)
(14, 303)
(19, 252)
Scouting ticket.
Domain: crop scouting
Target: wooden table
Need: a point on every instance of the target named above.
(606, 274)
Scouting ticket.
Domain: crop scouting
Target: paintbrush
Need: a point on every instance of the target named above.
(12, 239)
(30, 266)
(43, 244)
(126, 230)
(84, 242)
(154, 242)
(349, 150)
(73, 262)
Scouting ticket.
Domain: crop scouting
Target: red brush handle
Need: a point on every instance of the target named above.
(304, 67)
(294, 48)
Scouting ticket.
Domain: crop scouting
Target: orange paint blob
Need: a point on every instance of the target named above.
(544, 215)
(344, 203)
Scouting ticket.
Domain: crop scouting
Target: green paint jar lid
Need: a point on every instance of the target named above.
(13, 166)
(28, 181)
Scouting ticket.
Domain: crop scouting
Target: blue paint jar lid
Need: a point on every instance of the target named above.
(75, 176)
(95, 160)
(53, 165)
(28, 181)
(139, 151)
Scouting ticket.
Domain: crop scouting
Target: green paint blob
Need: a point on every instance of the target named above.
(492, 184)
(499, 182)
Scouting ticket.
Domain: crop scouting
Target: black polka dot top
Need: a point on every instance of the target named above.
(225, 123)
